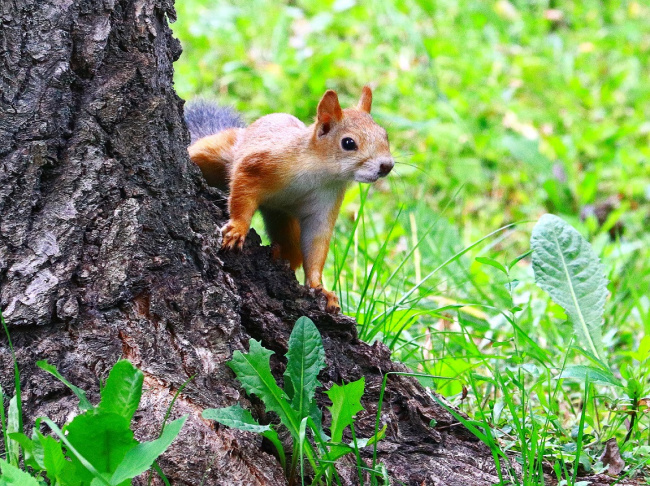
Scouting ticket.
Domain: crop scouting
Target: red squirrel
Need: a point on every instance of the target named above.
(296, 175)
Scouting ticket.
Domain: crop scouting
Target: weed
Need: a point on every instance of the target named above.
(297, 409)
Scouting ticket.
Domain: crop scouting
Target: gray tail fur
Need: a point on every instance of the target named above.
(204, 118)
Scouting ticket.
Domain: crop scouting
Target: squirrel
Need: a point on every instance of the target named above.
(296, 175)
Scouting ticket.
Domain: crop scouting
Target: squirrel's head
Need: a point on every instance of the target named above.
(351, 140)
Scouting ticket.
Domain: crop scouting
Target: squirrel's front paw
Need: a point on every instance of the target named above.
(233, 236)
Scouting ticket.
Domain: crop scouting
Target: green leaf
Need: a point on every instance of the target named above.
(54, 460)
(517, 259)
(302, 437)
(567, 268)
(338, 450)
(32, 458)
(235, 417)
(305, 359)
(3, 424)
(71, 471)
(492, 263)
(102, 438)
(254, 373)
(84, 403)
(316, 415)
(140, 458)
(240, 418)
(12, 476)
(13, 426)
(371, 440)
(98, 481)
(596, 375)
(122, 391)
(346, 403)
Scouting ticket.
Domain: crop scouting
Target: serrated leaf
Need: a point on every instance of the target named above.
(141, 457)
(346, 403)
(239, 418)
(596, 375)
(54, 460)
(84, 403)
(236, 417)
(122, 391)
(254, 373)
(567, 268)
(305, 359)
(12, 476)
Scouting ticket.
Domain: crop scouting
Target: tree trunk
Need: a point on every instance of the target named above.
(109, 248)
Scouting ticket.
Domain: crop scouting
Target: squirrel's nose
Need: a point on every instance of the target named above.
(385, 167)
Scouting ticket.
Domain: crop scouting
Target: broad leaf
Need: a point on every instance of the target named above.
(567, 268)
(305, 359)
(240, 418)
(12, 476)
(254, 373)
(140, 458)
(84, 403)
(596, 375)
(122, 391)
(102, 438)
(346, 403)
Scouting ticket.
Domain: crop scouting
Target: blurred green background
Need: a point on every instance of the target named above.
(497, 112)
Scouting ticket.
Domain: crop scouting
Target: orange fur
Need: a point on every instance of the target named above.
(214, 155)
(297, 176)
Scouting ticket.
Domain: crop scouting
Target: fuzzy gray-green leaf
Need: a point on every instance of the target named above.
(568, 269)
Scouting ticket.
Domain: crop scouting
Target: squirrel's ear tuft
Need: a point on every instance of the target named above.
(366, 99)
(329, 109)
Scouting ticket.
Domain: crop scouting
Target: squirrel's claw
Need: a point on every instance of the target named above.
(333, 306)
(233, 237)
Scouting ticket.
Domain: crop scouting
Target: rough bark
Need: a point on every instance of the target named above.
(108, 249)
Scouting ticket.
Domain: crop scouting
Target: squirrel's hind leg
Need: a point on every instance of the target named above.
(316, 232)
(214, 156)
(284, 232)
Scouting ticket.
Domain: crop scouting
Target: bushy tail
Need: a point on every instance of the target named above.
(205, 118)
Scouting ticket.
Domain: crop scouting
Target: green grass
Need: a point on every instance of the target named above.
(496, 115)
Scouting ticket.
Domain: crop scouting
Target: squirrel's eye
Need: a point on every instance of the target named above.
(348, 144)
